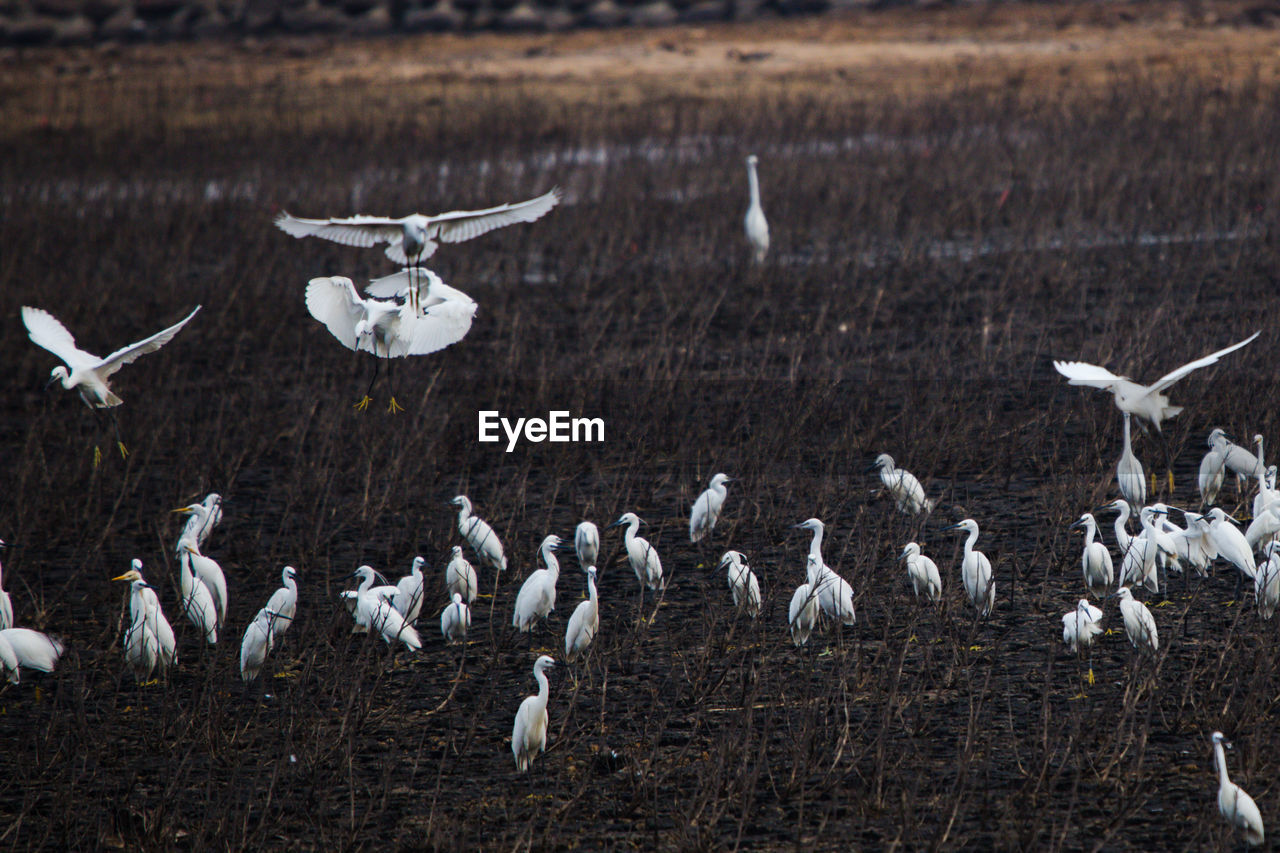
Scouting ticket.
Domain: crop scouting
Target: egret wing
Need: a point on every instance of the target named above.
(351, 231)
(1173, 376)
(397, 284)
(459, 225)
(133, 352)
(439, 326)
(45, 331)
(333, 301)
(1083, 373)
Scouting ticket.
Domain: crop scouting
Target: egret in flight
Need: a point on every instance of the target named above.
(975, 569)
(529, 734)
(24, 647)
(1235, 806)
(479, 534)
(6, 605)
(1144, 401)
(922, 571)
(149, 642)
(387, 328)
(743, 584)
(537, 596)
(905, 488)
(756, 225)
(88, 373)
(585, 621)
(706, 509)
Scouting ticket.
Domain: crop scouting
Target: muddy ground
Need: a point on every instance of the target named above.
(956, 198)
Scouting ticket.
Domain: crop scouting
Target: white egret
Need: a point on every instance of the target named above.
(1096, 559)
(1081, 625)
(197, 601)
(1138, 565)
(585, 621)
(706, 509)
(1235, 458)
(1267, 496)
(803, 614)
(586, 544)
(1121, 523)
(373, 612)
(643, 558)
(460, 576)
(6, 605)
(259, 639)
(387, 328)
(284, 602)
(1230, 542)
(1139, 624)
(1144, 401)
(1262, 529)
(1129, 474)
(975, 569)
(202, 518)
(835, 595)
(24, 647)
(537, 596)
(455, 620)
(208, 571)
(479, 535)
(756, 226)
(743, 583)
(1266, 586)
(410, 591)
(922, 571)
(149, 642)
(1236, 806)
(1194, 545)
(903, 486)
(414, 238)
(1212, 473)
(529, 734)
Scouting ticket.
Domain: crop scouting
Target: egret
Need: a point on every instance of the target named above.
(1129, 474)
(1267, 583)
(802, 615)
(6, 605)
(85, 372)
(414, 238)
(1145, 401)
(975, 569)
(455, 620)
(197, 601)
(409, 592)
(1230, 543)
(706, 509)
(284, 602)
(537, 596)
(922, 571)
(1122, 520)
(149, 642)
(1236, 806)
(835, 595)
(585, 621)
(529, 734)
(1235, 458)
(1139, 624)
(1139, 564)
(1212, 472)
(259, 639)
(1267, 496)
(643, 558)
(479, 535)
(586, 544)
(1194, 545)
(1080, 627)
(373, 612)
(1096, 559)
(24, 647)
(387, 328)
(756, 226)
(1263, 528)
(203, 517)
(460, 577)
(208, 571)
(743, 583)
(905, 488)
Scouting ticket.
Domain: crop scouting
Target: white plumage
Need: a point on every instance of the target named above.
(757, 227)
(903, 485)
(197, 600)
(1129, 474)
(922, 571)
(259, 638)
(374, 612)
(975, 570)
(641, 555)
(586, 544)
(1231, 543)
(209, 573)
(537, 596)
(743, 584)
(6, 605)
(834, 594)
(1081, 626)
(284, 602)
(455, 620)
(585, 621)
(1139, 624)
(706, 509)
(479, 535)
(409, 592)
(803, 613)
(149, 642)
(21, 647)
(1266, 585)
(387, 328)
(529, 734)
(202, 518)
(460, 576)
(1096, 559)
(1235, 806)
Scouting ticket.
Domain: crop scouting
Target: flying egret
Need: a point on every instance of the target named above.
(922, 571)
(1145, 401)
(414, 238)
(706, 509)
(197, 601)
(479, 535)
(586, 544)
(259, 639)
(1129, 474)
(529, 734)
(1079, 628)
(373, 612)
(85, 372)
(643, 558)
(6, 605)
(409, 592)
(585, 621)
(537, 596)
(387, 328)
(975, 569)
(905, 488)
(1266, 585)
(284, 602)
(208, 571)
(743, 583)
(1236, 806)
(149, 641)
(1096, 559)
(802, 615)
(455, 620)
(756, 226)
(835, 595)
(24, 647)
(1230, 542)
(202, 518)
(460, 577)
(1139, 624)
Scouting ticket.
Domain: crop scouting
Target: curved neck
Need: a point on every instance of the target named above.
(291, 584)
(366, 583)
(464, 511)
(632, 527)
(971, 541)
(544, 689)
(754, 183)
(815, 546)
(1122, 532)
(591, 588)
(548, 557)
(1220, 758)
(1090, 531)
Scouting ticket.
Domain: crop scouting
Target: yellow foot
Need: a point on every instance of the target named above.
(39, 694)
(975, 648)
(152, 683)
(394, 407)
(1152, 477)
(1080, 695)
(363, 404)
(1108, 632)
(1091, 675)
(97, 456)
(911, 639)
(1164, 603)
(124, 451)
(285, 674)
(1169, 474)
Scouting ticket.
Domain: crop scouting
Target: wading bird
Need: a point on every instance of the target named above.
(743, 583)
(585, 621)
(284, 602)
(88, 373)
(1235, 806)
(1266, 585)
(586, 544)
(537, 596)
(387, 328)
(1212, 471)
(922, 571)
(803, 613)
(197, 601)
(706, 509)
(209, 573)
(529, 734)
(1144, 401)
(975, 569)
(1096, 559)
(201, 518)
(643, 558)
(756, 225)
(6, 605)
(455, 620)
(1139, 624)
(1230, 542)
(835, 595)
(902, 485)
(1080, 627)
(460, 577)
(1129, 474)
(479, 535)
(259, 639)
(21, 647)
(149, 642)
(409, 592)
(374, 612)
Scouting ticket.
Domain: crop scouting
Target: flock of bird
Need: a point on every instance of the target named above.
(412, 312)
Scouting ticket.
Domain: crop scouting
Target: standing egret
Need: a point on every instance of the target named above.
(1139, 624)
(1096, 559)
(975, 569)
(455, 620)
(903, 485)
(922, 571)
(1230, 542)
(1263, 528)
(1235, 458)
(202, 518)
(585, 621)
(460, 576)
(706, 509)
(259, 639)
(1121, 523)
(756, 225)
(208, 571)
(6, 605)
(149, 641)
(1212, 473)
(643, 558)
(1236, 806)
(1267, 496)
(374, 612)
(1266, 585)
(1194, 545)
(802, 615)
(24, 647)
(743, 583)
(835, 595)
(529, 734)
(284, 602)
(1129, 474)
(409, 592)
(479, 535)
(586, 544)
(1080, 627)
(1144, 401)
(198, 601)
(537, 596)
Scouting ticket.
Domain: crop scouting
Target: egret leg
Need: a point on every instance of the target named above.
(393, 406)
(115, 424)
(364, 403)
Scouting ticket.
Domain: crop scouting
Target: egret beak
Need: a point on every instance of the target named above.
(873, 466)
(185, 510)
(123, 577)
(617, 523)
(1077, 526)
(798, 527)
(49, 384)
(952, 527)
(902, 556)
